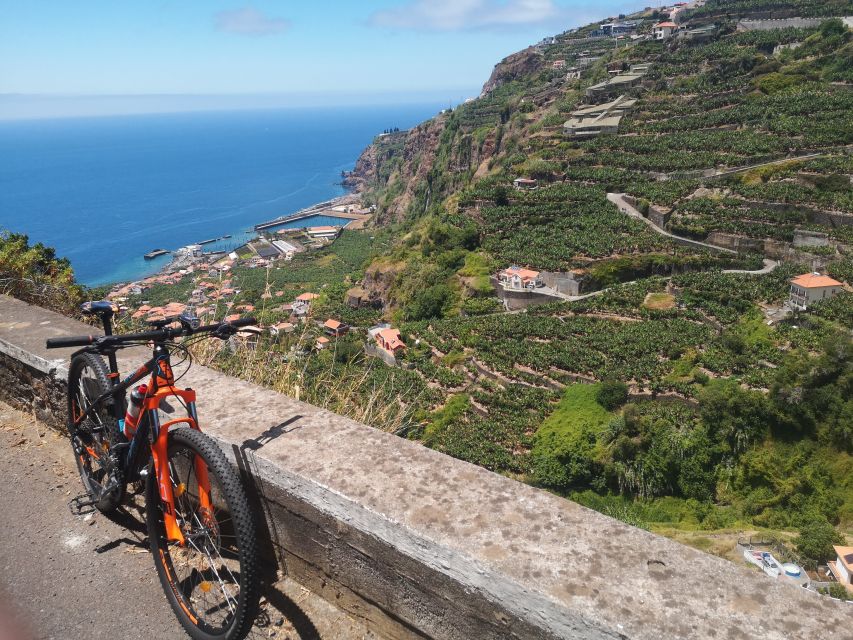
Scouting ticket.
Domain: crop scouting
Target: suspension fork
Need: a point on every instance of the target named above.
(159, 439)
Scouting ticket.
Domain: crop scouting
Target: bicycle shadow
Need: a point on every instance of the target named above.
(267, 537)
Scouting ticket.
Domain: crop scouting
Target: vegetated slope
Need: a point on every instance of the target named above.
(755, 429)
(36, 275)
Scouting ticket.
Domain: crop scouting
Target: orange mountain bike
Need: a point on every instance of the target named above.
(200, 528)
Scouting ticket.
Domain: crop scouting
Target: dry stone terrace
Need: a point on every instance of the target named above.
(422, 545)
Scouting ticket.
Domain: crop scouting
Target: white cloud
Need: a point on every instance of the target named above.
(249, 22)
(454, 15)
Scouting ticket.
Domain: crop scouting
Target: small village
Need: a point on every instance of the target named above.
(214, 292)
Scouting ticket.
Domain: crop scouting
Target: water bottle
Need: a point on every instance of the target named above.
(133, 409)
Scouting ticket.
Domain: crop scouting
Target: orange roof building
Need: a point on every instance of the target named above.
(307, 297)
(810, 288)
(519, 279)
(335, 328)
(390, 340)
(664, 30)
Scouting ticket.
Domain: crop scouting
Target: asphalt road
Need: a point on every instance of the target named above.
(67, 576)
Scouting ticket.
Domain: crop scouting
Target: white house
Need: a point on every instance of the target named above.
(812, 287)
(522, 184)
(842, 568)
(518, 279)
(664, 30)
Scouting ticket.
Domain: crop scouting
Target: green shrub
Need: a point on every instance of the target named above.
(612, 394)
(34, 274)
(815, 540)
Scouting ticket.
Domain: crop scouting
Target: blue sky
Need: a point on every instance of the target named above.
(331, 50)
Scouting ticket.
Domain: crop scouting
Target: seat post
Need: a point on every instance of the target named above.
(107, 320)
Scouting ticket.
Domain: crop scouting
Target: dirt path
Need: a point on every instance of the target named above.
(67, 576)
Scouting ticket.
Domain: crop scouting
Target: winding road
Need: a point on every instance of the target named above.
(619, 199)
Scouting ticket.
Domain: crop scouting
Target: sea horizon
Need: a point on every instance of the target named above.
(105, 190)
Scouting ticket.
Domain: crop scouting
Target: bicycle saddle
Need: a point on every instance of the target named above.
(99, 307)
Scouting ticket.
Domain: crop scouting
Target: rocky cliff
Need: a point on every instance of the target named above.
(519, 65)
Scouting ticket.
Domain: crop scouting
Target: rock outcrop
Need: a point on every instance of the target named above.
(521, 64)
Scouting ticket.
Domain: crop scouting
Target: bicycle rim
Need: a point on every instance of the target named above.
(209, 580)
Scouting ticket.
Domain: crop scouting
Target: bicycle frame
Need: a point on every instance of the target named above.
(161, 385)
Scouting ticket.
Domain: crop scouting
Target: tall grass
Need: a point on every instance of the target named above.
(361, 388)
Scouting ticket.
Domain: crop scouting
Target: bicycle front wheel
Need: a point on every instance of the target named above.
(210, 581)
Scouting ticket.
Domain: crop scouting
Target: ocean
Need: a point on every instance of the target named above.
(104, 191)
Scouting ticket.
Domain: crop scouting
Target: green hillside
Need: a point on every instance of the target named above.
(713, 422)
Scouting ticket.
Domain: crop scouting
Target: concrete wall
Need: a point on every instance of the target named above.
(422, 545)
(660, 218)
(563, 282)
(803, 238)
(773, 249)
(778, 23)
(514, 300)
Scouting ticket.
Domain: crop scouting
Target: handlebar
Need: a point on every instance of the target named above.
(222, 329)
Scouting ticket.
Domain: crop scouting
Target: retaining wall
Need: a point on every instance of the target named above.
(422, 545)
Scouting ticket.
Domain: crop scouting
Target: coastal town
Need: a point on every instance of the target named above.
(623, 274)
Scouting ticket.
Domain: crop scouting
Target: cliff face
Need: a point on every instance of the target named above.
(407, 172)
(364, 174)
(519, 65)
(395, 167)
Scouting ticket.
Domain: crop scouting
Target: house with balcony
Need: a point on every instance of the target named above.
(387, 339)
(616, 85)
(664, 30)
(842, 567)
(302, 305)
(516, 278)
(335, 328)
(812, 287)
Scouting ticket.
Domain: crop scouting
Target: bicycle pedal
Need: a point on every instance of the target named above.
(82, 505)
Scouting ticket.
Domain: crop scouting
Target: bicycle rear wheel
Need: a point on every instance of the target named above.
(211, 581)
(97, 434)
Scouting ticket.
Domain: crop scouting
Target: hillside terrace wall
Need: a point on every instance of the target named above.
(514, 300)
(422, 545)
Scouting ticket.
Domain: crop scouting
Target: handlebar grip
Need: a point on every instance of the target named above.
(244, 322)
(72, 341)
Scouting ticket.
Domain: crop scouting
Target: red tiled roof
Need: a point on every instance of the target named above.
(524, 274)
(332, 324)
(672, 25)
(391, 338)
(307, 297)
(814, 280)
